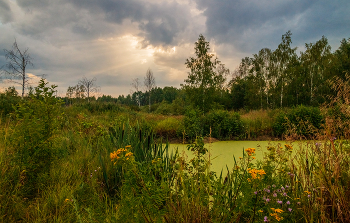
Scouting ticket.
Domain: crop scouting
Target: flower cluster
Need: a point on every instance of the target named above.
(250, 151)
(115, 154)
(256, 174)
(119, 154)
(274, 196)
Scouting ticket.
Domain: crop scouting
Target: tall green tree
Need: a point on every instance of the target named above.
(261, 70)
(203, 81)
(314, 62)
(342, 59)
(283, 56)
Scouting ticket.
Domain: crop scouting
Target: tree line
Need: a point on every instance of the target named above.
(282, 78)
(267, 80)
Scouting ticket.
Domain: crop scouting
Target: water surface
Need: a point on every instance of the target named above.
(222, 153)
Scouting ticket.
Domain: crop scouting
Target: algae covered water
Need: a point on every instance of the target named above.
(222, 153)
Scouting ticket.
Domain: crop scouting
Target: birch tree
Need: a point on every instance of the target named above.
(283, 55)
(149, 83)
(314, 61)
(203, 80)
(136, 89)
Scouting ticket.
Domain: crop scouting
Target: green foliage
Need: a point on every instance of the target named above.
(33, 138)
(300, 121)
(88, 183)
(98, 107)
(164, 108)
(224, 125)
(193, 123)
(8, 101)
(169, 128)
(203, 80)
(140, 142)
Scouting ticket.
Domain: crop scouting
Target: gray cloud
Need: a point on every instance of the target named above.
(5, 12)
(252, 25)
(118, 40)
(158, 23)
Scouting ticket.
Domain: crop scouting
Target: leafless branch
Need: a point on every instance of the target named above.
(88, 86)
(15, 68)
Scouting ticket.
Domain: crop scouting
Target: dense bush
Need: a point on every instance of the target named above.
(169, 128)
(300, 121)
(219, 124)
(164, 108)
(193, 124)
(224, 125)
(177, 107)
(37, 120)
(8, 100)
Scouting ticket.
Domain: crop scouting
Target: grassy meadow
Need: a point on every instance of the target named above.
(69, 164)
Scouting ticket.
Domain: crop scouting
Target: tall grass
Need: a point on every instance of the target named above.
(258, 124)
(112, 168)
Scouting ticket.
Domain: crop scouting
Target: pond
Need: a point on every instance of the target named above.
(222, 152)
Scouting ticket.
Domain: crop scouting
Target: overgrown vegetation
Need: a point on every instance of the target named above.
(66, 164)
(95, 160)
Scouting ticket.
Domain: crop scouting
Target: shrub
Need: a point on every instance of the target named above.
(300, 121)
(8, 101)
(169, 128)
(224, 125)
(178, 106)
(193, 123)
(33, 138)
(164, 108)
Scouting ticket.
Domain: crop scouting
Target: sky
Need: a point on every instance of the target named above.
(116, 41)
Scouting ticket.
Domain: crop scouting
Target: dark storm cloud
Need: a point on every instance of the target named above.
(158, 23)
(250, 24)
(5, 12)
(101, 38)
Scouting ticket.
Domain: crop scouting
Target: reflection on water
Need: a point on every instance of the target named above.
(222, 153)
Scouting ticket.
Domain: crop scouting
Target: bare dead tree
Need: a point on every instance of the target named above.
(15, 68)
(149, 83)
(136, 85)
(88, 86)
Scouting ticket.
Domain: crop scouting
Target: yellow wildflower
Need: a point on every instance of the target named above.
(66, 200)
(250, 151)
(261, 211)
(278, 218)
(256, 174)
(308, 192)
(278, 210)
(128, 154)
(114, 155)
